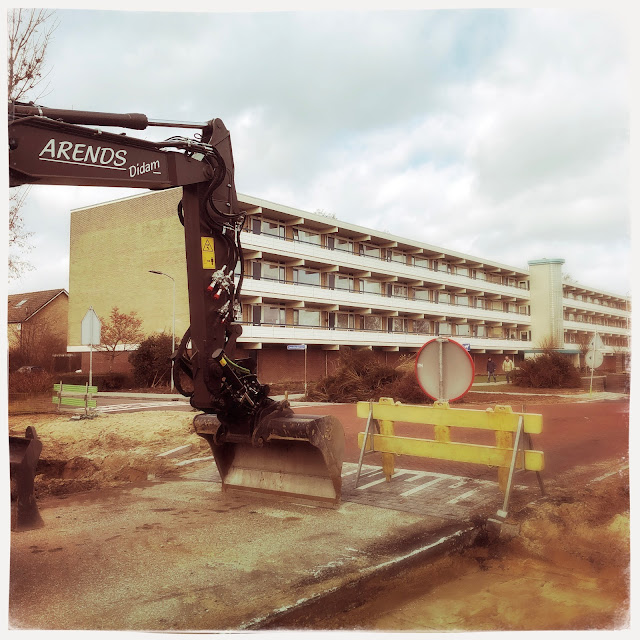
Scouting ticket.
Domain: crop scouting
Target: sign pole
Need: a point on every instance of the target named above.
(593, 362)
(91, 348)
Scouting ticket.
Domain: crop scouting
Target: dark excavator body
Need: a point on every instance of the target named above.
(258, 444)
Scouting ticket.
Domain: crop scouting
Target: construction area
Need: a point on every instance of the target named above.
(138, 534)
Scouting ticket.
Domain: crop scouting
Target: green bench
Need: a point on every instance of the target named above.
(74, 395)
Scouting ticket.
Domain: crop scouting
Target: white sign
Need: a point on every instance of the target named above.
(596, 343)
(91, 328)
(444, 369)
(296, 347)
(594, 359)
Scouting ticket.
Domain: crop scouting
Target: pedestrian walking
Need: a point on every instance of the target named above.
(507, 367)
(491, 370)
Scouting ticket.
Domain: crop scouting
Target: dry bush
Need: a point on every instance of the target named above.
(360, 376)
(549, 370)
(30, 383)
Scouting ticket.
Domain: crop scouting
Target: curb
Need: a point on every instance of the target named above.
(349, 591)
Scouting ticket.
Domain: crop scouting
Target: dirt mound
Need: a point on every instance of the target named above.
(107, 450)
(561, 563)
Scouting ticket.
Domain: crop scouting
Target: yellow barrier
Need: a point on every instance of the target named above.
(502, 420)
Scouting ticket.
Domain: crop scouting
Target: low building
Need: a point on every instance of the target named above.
(37, 327)
(314, 280)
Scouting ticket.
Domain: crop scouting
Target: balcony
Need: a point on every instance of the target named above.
(316, 295)
(295, 249)
(289, 334)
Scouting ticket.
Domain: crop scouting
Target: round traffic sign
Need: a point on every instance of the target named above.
(444, 369)
(594, 359)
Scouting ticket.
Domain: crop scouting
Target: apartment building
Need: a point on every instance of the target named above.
(313, 280)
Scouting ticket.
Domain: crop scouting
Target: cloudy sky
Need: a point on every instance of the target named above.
(500, 133)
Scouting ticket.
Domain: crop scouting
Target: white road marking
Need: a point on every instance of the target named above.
(420, 487)
(462, 496)
(371, 484)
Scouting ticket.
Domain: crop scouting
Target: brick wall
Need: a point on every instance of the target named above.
(112, 253)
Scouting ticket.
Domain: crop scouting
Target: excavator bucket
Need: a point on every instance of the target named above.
(24, 454)
(294, 457)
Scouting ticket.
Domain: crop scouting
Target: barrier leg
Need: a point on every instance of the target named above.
(504, 440)
(386, 429)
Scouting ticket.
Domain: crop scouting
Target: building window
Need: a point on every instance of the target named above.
(398, 256)
(372, 323)
(444, 297)
(444, 328)
(305, 235)
(269, 227)
(272, 271)
(422, 294)
(306, 318)
(418, 261)
(462, 301)
(398, 325)
(422, 326)
(269, 315)
(306, 276)
(369, 251)
(463, 330)
(371, 286)
(345, 321)
(399, 291)
(344, 282)
(479, 331)
(341, 244)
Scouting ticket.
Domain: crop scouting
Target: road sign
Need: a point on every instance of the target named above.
(596, 343)
(444, 369)
(90, 328)
(296, 347)
(594, 359)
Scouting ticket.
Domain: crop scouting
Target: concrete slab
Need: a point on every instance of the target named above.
(181, 555)
(178, 451)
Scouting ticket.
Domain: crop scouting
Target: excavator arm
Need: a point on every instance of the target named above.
(258, 443)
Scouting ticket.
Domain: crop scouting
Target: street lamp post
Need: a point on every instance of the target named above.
(173, 325)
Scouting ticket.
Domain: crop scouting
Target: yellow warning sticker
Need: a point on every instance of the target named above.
(208, 254)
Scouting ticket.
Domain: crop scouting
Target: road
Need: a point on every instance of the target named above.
(179, 554)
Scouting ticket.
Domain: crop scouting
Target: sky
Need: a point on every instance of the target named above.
(501, 133)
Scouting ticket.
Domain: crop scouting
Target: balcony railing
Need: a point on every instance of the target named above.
(463, 277)
(385, 295)
(424, 336)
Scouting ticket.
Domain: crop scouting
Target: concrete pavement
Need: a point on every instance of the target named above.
(181, 555)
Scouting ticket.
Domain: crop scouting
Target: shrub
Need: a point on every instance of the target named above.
(152, 361)
(549, 370)
(30, 383)
(360, 376)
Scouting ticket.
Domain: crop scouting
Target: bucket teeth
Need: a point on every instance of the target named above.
(296, 456)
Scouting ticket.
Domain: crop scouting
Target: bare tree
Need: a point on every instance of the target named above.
(29, 32)
(119, 330)
(35, 343)
(18, 237)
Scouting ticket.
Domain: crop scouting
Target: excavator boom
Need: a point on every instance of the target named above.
(259, 444)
